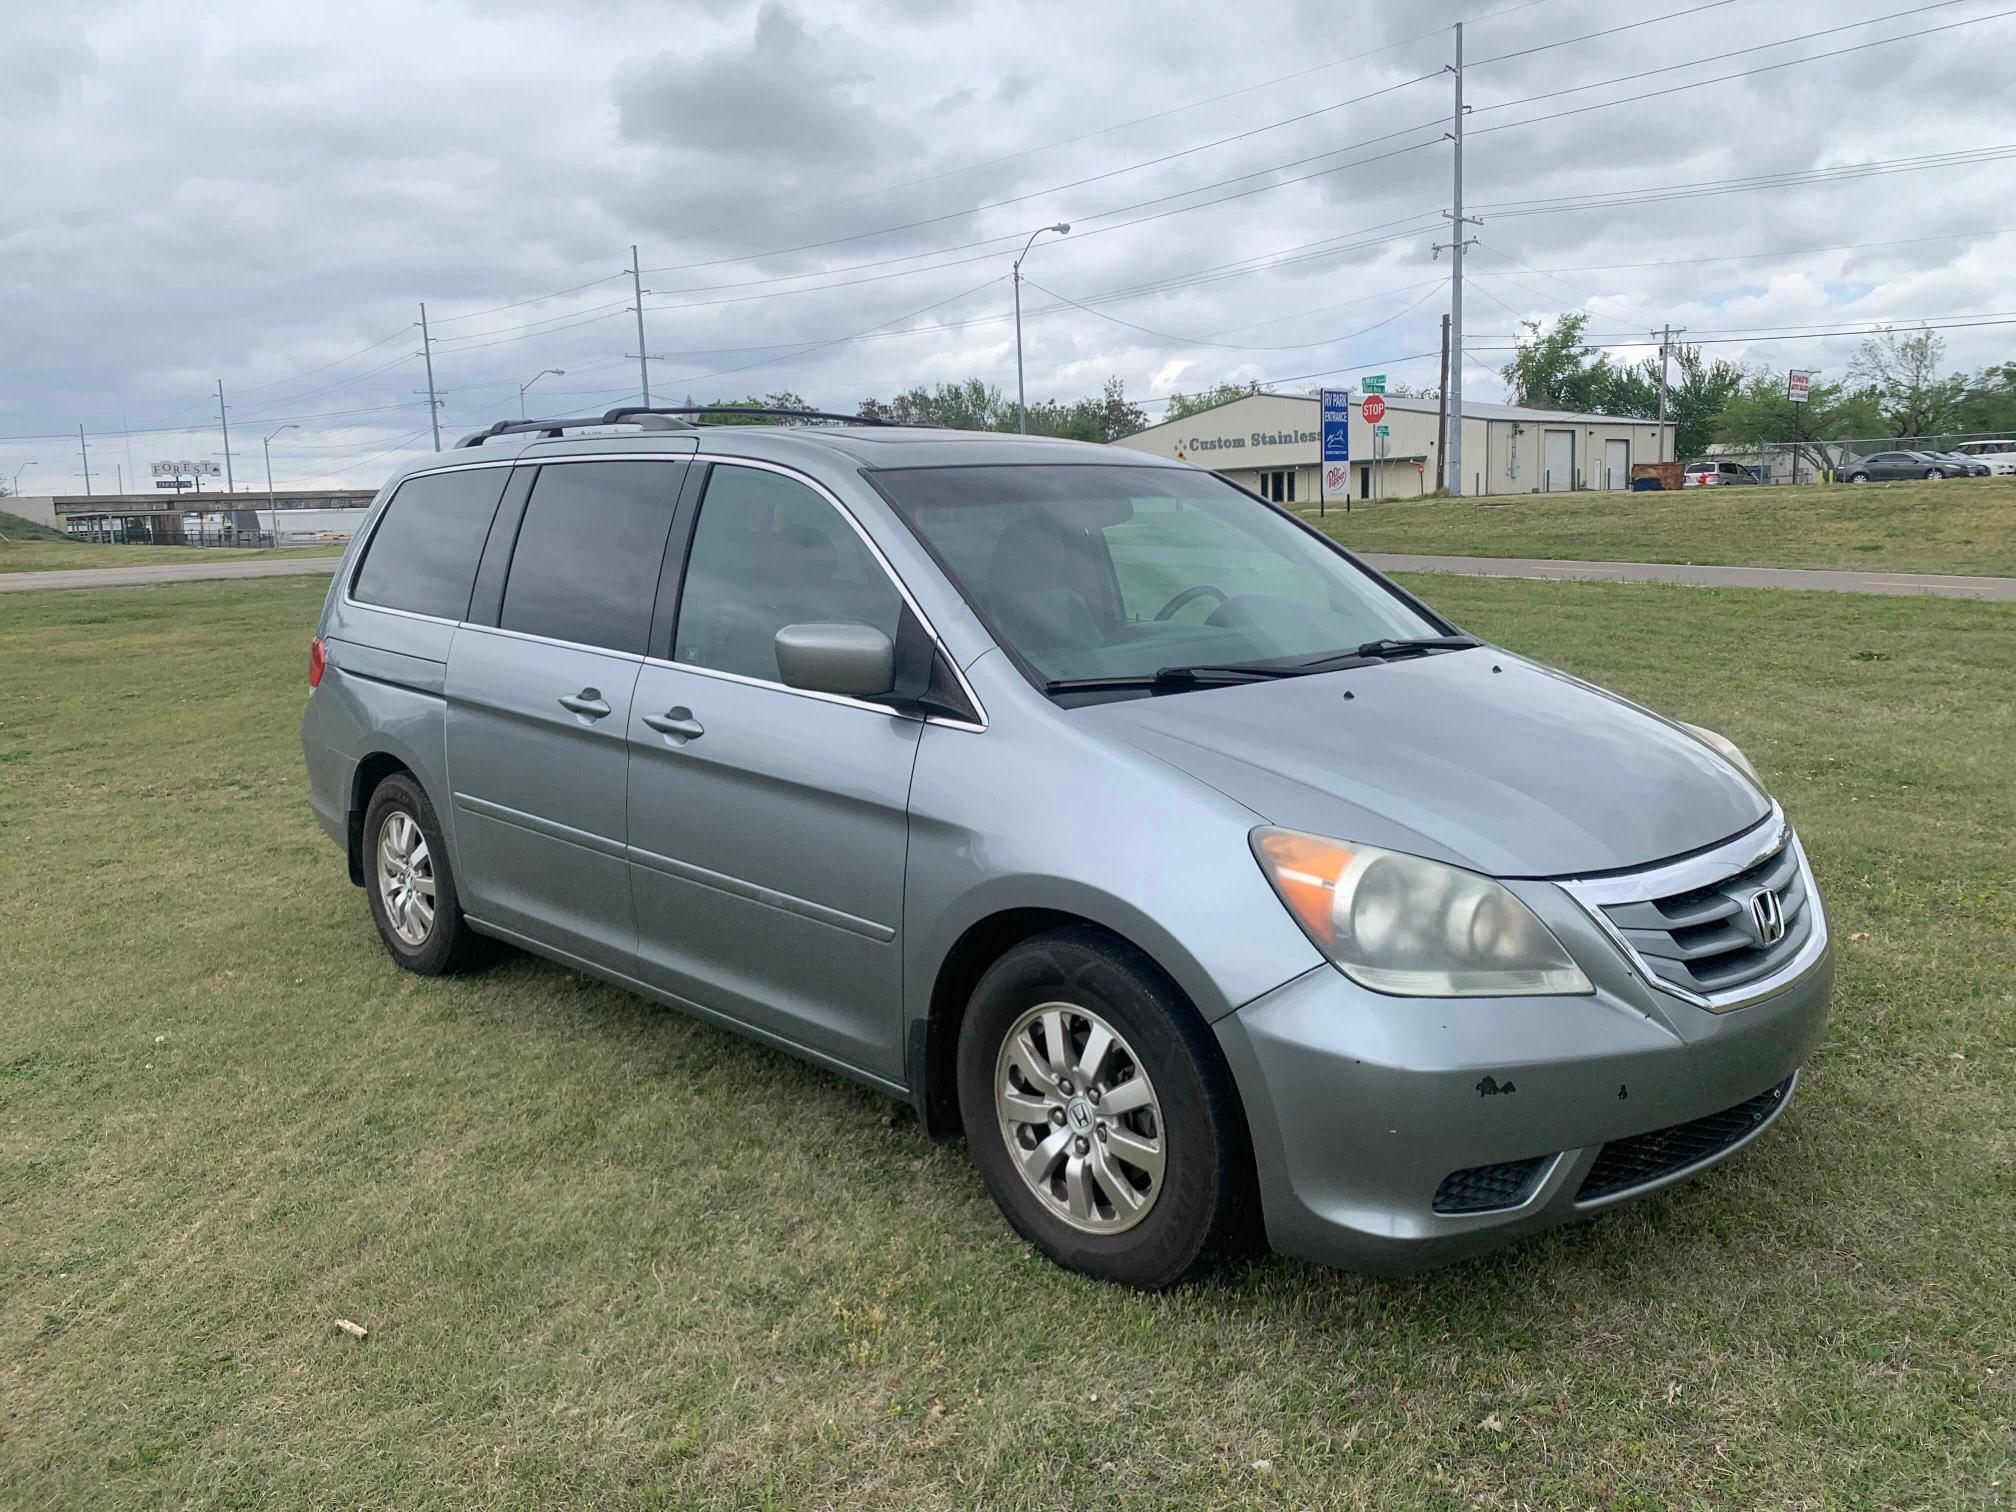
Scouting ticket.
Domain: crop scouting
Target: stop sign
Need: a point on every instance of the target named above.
(1372, 408)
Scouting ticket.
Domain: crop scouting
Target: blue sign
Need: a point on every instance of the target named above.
(1336, 425)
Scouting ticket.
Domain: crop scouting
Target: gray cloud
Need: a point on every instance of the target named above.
(265, 194)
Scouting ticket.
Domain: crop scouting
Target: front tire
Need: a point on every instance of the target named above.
(1932, 474)
(1858, 477)
(411, 885)
(1100, 1112)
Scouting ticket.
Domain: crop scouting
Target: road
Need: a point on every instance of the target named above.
(167, 572)
(1937, 585)
(1992, 589)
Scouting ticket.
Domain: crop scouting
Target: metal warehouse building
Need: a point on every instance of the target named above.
(1270, 443)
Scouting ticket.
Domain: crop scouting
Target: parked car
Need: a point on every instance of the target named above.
(1880, 467)
(1710, 473)
(1999, 455)
(1962, 466)
(1208, 880)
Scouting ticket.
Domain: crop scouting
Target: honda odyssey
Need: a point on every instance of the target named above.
(1211, 884)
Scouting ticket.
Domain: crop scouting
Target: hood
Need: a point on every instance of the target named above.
(1478, 758)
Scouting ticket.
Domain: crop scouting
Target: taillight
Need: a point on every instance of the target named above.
(317, 660)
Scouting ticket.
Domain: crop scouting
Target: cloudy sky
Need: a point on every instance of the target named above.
(828, 199)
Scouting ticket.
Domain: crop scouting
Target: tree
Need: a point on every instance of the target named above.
(1902, 372)
(1697, 389)
(971, 405)
(785, 400)
(1990, 402)
(1556, 369)
(1181, 406)
(1759, 414)
(1107, 418)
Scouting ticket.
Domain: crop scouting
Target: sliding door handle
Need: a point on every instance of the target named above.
(678, 722)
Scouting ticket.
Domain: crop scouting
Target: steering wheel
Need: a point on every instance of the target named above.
(1189, 595)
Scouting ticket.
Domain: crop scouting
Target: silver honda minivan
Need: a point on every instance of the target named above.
(1210, 883)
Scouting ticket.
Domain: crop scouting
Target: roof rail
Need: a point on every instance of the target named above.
(631, 411)
(649, 420)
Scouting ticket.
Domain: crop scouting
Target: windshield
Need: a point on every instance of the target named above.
(1102, 571)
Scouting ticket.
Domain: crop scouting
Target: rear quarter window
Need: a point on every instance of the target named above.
(422, 557)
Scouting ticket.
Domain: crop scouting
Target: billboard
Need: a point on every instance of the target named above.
(1796, 386)
(186, 469)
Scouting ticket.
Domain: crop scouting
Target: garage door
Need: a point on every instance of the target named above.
(1616, 464)
(1559, 463)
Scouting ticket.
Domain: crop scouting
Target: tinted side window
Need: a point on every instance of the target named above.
(586, 564)
(423, 555)
(769, 552)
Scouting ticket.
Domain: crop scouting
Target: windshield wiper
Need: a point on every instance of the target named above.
(1387, 649)
(1202, 676)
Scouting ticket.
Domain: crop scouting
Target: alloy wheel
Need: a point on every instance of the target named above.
(406, 877)
(1081, 1118)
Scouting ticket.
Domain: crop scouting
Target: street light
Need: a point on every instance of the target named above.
(17, 475)
(1062, 228)
(556, 372)
(272, 505)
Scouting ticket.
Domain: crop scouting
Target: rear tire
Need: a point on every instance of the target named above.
(1101, 1113)
(1858, 477)
(1932, 474)
(411, 885)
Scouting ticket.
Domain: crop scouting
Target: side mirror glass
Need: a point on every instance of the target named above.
(857, 661)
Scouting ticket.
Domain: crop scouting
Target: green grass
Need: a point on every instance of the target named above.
(610, 1256)
(28, 547)
(1961, 525)
(14, 530)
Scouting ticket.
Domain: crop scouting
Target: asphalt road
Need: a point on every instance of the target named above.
(1938, 585)
(167, 572)
(1993, 589)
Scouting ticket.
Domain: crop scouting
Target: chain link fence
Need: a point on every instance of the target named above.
(1796, 461)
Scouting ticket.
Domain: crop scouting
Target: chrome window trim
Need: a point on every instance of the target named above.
(1717, 865)
(895, 579)
(550, 640)
(814, 484)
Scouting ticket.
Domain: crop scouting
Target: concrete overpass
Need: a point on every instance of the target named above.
(157, 516)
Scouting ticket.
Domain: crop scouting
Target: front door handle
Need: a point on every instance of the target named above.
(588, 701)
(678, 722)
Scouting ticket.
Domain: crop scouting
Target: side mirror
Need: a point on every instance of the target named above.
(858, 661)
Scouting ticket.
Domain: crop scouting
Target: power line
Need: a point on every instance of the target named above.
(1293, 346)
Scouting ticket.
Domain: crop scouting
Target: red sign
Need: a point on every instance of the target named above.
(1372, 408)
(1334, 479)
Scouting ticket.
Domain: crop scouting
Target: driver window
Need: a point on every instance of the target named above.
(1171, 546)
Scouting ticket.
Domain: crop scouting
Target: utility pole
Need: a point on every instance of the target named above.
(1665, 334)
(1452, 388)
(427, 352)
(225, 426)
(84, 452)
(272, 505)
(643, 357)
(1442, 415)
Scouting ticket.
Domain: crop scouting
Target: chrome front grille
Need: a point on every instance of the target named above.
(1714, 938)
(1706, 927)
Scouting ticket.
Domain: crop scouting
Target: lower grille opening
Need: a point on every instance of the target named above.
(1627, 1163)
(1479, 1189)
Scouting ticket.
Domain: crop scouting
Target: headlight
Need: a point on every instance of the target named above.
(1415, 928)
(1724, 747)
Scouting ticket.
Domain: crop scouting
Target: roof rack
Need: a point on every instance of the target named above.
(553, 428)
(631, 411)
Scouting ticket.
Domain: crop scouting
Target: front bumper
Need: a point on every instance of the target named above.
(1361, 1105)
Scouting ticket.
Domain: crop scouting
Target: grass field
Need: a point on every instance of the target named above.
(609, 1256)
(1961, 525)
(28, 547)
